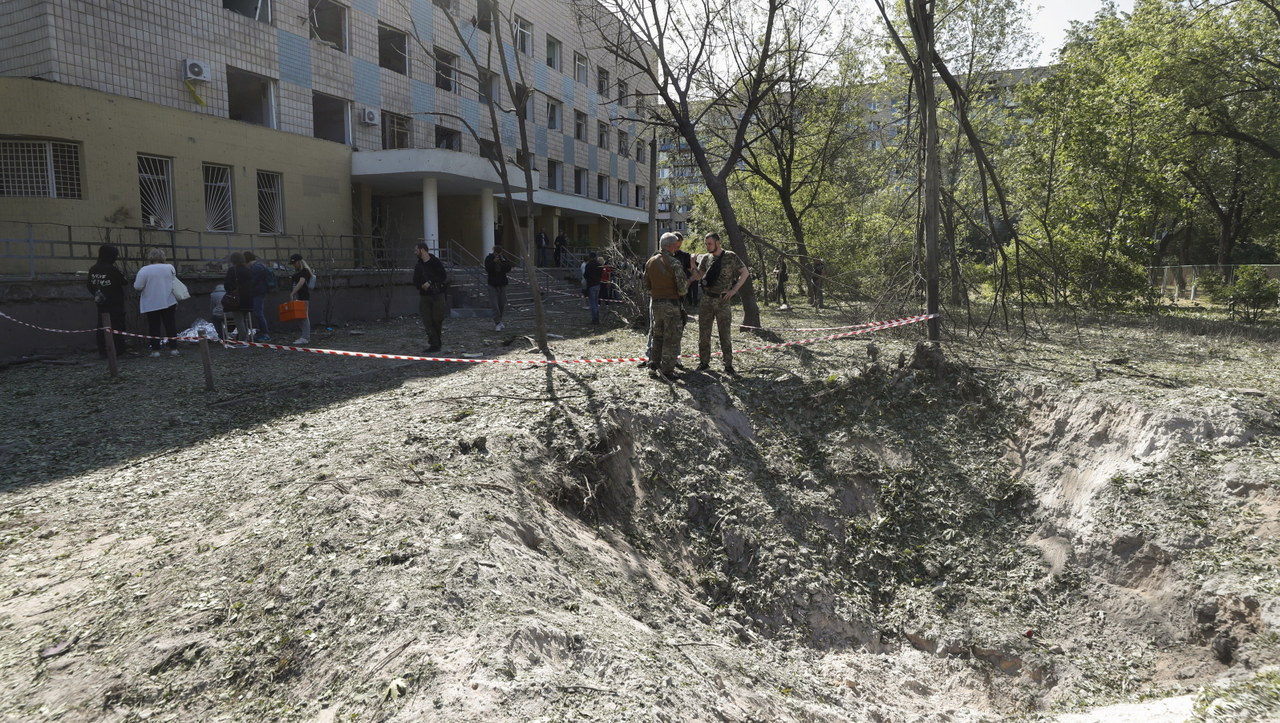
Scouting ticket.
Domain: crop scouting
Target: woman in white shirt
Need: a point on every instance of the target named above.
(157, 303)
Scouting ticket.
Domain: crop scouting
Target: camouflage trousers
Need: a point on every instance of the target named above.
(717, 310)
(666, 327)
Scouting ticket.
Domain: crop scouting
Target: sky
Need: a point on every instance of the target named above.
(1050, 19)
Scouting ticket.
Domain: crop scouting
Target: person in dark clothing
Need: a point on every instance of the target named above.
(431, 280)
(262, 283)
(686, 263)
(781, 271)
(496, 268)
(561, 243)
(107, 283)
(592, 275)
(238, 284)
(542, 244)
(819, 278)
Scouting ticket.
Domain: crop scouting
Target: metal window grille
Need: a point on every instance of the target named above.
(155, 189)
(218, 210)
(395, 131)
(270, 202)
(47, 169)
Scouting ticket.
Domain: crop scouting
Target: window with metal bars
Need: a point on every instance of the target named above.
(395, 131)
(48, 169)
(219, 213)
(155, 189)
(270, 202)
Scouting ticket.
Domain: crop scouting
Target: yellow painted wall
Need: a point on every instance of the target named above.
(113, 129)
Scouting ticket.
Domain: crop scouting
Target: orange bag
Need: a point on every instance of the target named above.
(291, 310)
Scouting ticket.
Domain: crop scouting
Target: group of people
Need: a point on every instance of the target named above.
(243, 292)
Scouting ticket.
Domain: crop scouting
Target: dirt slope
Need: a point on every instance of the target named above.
(1044, 526)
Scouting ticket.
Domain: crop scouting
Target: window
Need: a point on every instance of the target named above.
(270, 202)
(602, 135)
(524, 35)
(489, 150)
(580, 181)
(256, 9)
(554, 111)
(640, 154)
(553, 53)
(524, 159)
(624, 192)
(580, 68)
(523, 101)
(602, 81)
(155, 189)
(624, 144)
(49, 169)
(448, 139)
(488, 87)
(393, 49)
(395, 131)
(446, 70)
(484, 15)
(250, 98)
(602, 187)
(218, 213)
(449, 6)
(328, 22)
(642, 198)
(330, 118)
(580, 125)
(624, 92)
(553, 174)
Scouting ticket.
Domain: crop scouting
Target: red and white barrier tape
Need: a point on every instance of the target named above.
(864, 329)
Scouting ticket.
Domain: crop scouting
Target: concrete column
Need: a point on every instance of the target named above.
(487, 218)
(431, 215)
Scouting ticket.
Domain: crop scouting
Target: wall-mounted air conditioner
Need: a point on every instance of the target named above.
(368, 117)
(196, 70)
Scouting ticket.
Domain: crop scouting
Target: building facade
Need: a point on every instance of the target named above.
(358, 127)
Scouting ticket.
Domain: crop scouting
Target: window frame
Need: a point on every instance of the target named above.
(602, 135)
(274, 196)
(446, 70)
(602, 82)
(384, 33)
(160, 201)
(219, 198)
(553, 178)
(602, 187)
(522, 30)
(581, 68)
(342, 43)
(555, 52)
(555, 115)
(580, 127)
(580, 181)
(44, 164)
(389, 121)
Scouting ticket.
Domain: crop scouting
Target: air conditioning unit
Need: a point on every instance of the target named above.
(368, 117)
(196, 70)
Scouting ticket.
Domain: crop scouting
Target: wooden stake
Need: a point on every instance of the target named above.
(208, 363)
(113, 366)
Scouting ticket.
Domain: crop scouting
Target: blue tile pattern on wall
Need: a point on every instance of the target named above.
(471, 113)
(540, 145)
(510, 133)
(295, 59)
(368, 83)
(592, 159)
(424, 100)
(613, 166)
(368, 7)
(423, 14)
(568, 87)
(570, 151)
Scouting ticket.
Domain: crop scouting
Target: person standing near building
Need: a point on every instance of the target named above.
(300, 290)
(723, 274)
(431, 280)
(591, 275)
(667, 285)
(496, 267)
(561, 243)
(107, 283)
(540, 242)
(158, 304)
(263, 282)
(238, 296)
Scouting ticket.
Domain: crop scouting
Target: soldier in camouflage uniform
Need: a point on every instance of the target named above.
(667, 285)
(723, 274)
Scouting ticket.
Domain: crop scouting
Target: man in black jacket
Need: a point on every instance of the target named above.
(107, 285)
(496, 267)
(431, 280)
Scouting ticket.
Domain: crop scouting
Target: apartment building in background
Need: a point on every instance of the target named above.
(357, 126)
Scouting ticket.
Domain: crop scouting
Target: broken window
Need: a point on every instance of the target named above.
(642, 198)
(48, 169)
(602, 82)
(446, 70)
(328, 22)
(330, 118)
(489, 150)
(448, 139)
(602, 187)
(624, 92)
(395, 131)
(484, 15)
(219, 213)
(624, 192)
(270, 202)
(393, 49)
(155, 190)
(553, 174)
(553, 52)
(624, 144)
(257, 9)
(250, 98)
(580, 181)
(554, 111)
(449, 6)
(524, 159)
(488, 87)
(640, 155)
(579, 125)
(524, 35)
(580, 68)
(602, 135)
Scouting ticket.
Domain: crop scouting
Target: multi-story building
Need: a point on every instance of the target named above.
(355, 126)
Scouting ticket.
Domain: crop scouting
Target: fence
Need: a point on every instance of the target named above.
(1182, 282)
(32, 251)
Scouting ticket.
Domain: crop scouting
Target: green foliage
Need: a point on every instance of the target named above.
(1252, 292)
(1257, 698)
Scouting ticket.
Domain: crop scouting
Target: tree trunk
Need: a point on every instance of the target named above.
(920, 14)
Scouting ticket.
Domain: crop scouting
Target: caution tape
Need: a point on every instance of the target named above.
(863, 329)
